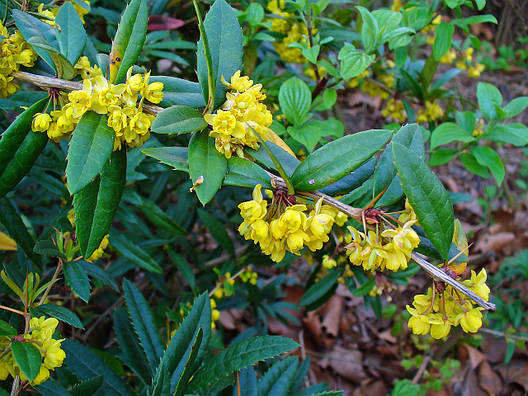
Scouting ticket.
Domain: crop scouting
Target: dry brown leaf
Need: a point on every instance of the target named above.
(332, 312)
(345, 362)
(475, 356)
(515, 372)
(489, 380)
(494, 242)
(312, 323)
(494, 348)
(371, 388)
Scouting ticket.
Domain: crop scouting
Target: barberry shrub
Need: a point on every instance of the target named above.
(90, 200)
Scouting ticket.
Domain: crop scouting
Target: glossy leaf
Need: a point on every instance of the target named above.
(7, 330)
(351, 181)
(488, 157)
(134, 253)
(188, 369)
(27, 357)
(143, 321)
(427, 196)
(450, 132)
(295, 100)
(353, 61)
(334, 160)
(244, 173)
(225, 43)
(129, 39)
(71, 35)
(320, 288)
(288, 162)
(516, 107)
(90, 147)
(178, 119)
(278, 380)
(514, 133)
(61, 313)
(206, 162)
(96, 204)
(77, 279)
(159, 218)
(172, 156)
(311, 132)
(177, 91)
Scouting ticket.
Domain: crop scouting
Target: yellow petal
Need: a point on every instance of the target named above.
(6, 243)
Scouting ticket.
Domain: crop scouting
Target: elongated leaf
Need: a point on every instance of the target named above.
(444, 34)
(50, 388)
(514, 133)
(71, 35)
(288, 162)
(207, 163)
(248, 382)
(320, 288)
(77, 279)
(488, 157)
(278, 380)
(244, 173)
(238, 356)
(160, 382)
(353, 61)
(11, 220)
(172, 156)
(143, 322)
(177, 91)
(183, 266)
(187, 371)
(217, 230)
(87, 364)
(131, 352)
(180, 346)
(427, 196)
(129, 39)
(353, 180)
(96, 204)
(225, 43)
(61, 313)
(178, 119)
(159, 218)
(6, 329)
(98, 273)
(90, 147)
(369, 29)
(88, 387)
(516, 107)
(295, 100)
(450, 132)
(27, 356)
(489, 98)
(334, 160)
(311, 132)
(134, 253)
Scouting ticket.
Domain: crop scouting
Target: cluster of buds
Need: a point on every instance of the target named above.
(15, 51)
(119, 102)
(41, 336)
(286, 225)
(443, 307)
(430, 112)
(294, 31)
(242, 115)
(395, 110)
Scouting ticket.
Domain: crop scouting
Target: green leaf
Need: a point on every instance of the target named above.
(442, 156)
(320, 288)
(183, 267)
(87, 387)
(134, 253)
(334, 160)
(515, 107)
(77, 279)
(131, 352)
(365, 287)
(400, 37)
(295, 100)
(310, 134)
(369, 30)
(172, 156)
(471, 164)
(177, 91)
(86, 364)
(238, 356)
(178, 119)
(444, 34)
(90, 147)
(61, 313)
(20, 148)
(159, 218)
(488, 157)
(63, 66)
(207, 163)
(353, 61)
(28, 358)
(225, 43)
(188, 369)
(180, 346)
(143, 322)
(30, 26)
(514, 133)
(244, 173)
(464, 22)
(351, 181)
(255, 13)
(96, 204)
(11, 220)
(427, 196)
(129, 39)
(160, 384)
(217, 230)
(278, 380)
(6, 329)
(98, 273)
(70, 35)
(450, 132)
(288, 161)
(488, 97)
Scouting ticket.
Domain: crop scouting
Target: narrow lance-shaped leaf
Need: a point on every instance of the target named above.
(427, 196)
(95, 205)
(77, 279)
(129, 39)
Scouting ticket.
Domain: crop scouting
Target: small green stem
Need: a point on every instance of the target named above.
(211, 82)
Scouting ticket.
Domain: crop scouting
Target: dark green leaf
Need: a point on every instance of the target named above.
(427, 196)
(207, 163)
(77, 279)
(187, 371)
(183, 266)
(364, 289)
(6, 329)
(334, 160)
(217, 230)
(471, 164)
(90, 147)
(278, 380)
(28, 358)
(98, 273)
(172, 156)
(244, 173)
(320, 288)
(134, 253)
(87, 387)
(177, 91)
(71, 35)
(288, 161)
(61, 313)
(311, 132)
(178, 119)
(159, 218)
(352, 181)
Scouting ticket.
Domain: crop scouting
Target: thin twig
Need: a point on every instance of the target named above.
(501, 334)
(421, 369)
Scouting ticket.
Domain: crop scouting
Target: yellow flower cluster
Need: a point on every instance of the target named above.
(375, 90)
(396, 5)
(242, 112)
(479, 128)
(436, 312)
(14, 52)
(474, 70)
(293, 31)
(215, 313)
(408, 214)
(309, 71)
(277, 230)
(119, 102)
(449, 57)
(249, 276)
(431, 29)
(52, 14)
(354, 82)
(431, 112)
(389, 250)
(40, 335)
(395, 110)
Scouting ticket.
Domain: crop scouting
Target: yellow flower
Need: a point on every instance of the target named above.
(477, 284)
(153, 92)
(439, 327)
(471, 321)
(239, 84)
(449, 56)
(474, 71)
(41, 122)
